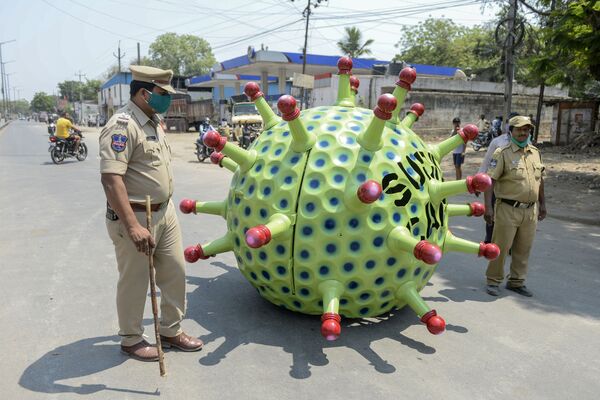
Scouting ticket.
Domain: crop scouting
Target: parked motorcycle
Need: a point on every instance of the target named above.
(63, 148)
(482, 140)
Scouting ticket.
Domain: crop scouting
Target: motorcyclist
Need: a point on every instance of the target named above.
(205, 126)
(63, 128)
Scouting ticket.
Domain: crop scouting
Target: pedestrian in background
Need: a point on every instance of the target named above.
(517, 181)
(135, 161)
(458, 155)
(499, 142)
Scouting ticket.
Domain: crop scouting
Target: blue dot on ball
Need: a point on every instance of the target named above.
(401, 273)
(320, 162)
(281, 270)
(280, 249)
(304, 275)
(263, 213)
(378, 241)
(334, 201)
(417, 271)
(390, 155)
(304, 292)
(329, 224)
(323, 143)
(310, 207)
(396, 217)
(274, 169)
(338, 178)
(361, 177)
(324, 270)
(283, 203)
(364, 311)
(266, 275)
(331, 128)
(376, 218)
(355, 246)
(348, 267)
(385, 293)
(285, 133)
(285, 289)
(278, 152)
(294, 159)
(267, 191)
(304, 254)
(307, 231)
(247, 211)
(314, 183)
(355, 128)
(331, 248)
(354, 223)
(352, 285)
(413, 208)
(343, 158)
(253, 275)
(370, 264)
(365, 296)
(366, 158)
(250, 189)
(379, 281)
(391, 261)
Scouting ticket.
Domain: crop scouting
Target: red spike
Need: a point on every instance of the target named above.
(258, 236)
(330, 326)
(369, 191)
(468, 132)
(354, 83)
(418, 109)
(477, 209)
(435, 323)
(214, 140)
(287, 105)
(407, 77)
(217, 157)
(344, 65)
(252, 90)
(386, 103)
(490, 251)
(194, 253)
(187, 206)
(478, 183)
(427, 252)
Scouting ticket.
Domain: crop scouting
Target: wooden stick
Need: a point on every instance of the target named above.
(161, 361)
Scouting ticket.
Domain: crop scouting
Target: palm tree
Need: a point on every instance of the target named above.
(350, 44)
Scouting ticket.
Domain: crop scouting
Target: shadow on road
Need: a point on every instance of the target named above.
(229, 308)
(81, 358)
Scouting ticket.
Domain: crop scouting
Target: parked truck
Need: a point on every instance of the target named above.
(184, 113)
(245, 113)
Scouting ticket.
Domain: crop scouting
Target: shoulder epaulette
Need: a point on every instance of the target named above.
(123, 119)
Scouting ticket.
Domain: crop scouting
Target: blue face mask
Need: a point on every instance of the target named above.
(159, 102)
(521, 144)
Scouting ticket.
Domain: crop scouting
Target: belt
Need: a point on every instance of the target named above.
(517, 204)
(142, 207)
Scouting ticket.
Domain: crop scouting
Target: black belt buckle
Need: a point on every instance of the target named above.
(111, 215)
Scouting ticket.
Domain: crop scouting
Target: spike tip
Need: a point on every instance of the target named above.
(435, 323)
(187, 206)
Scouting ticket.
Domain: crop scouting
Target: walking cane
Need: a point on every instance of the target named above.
(161, 361)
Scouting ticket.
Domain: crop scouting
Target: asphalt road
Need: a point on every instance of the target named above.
(57, 309)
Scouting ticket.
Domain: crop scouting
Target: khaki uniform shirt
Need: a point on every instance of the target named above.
(517, 172)
(136, 147)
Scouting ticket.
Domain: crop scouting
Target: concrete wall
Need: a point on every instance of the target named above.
(445, 99)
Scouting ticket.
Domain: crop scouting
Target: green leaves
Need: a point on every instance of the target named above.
(42, 102)
(351, 45)
(184, 54)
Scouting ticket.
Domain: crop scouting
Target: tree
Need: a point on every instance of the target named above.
(184, 54)
(91, 89)
(351, 45)
(70, 90)
(42, 102)
(20, 106)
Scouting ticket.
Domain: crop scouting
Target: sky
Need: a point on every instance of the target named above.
(58, 39)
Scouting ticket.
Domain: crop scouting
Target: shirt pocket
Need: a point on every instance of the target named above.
(518, 171)
(538, 169)
(153, 153)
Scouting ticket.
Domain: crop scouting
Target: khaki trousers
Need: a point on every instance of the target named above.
(134, 278)
(514, 228)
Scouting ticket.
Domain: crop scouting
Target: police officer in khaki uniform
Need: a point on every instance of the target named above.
(517, 181)
(135, 162)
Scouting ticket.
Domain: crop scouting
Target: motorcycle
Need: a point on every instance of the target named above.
(63, 148)
(51, 128)
(249, 135)
(482, 140)
(202, 151)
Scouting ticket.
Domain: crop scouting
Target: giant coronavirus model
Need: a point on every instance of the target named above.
(340, 210)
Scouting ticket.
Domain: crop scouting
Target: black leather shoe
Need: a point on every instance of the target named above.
(492, 290)
(522, 290)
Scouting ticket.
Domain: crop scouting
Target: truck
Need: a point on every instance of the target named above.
(245, 113)
(184, 113)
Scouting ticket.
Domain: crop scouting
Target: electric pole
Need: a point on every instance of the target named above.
(80, 96)
(509, 66)
(3, 75)
(306, 14)
(138, 51)
(8, 90)
(119, 57)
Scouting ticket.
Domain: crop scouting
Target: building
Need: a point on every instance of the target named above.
(114, 93)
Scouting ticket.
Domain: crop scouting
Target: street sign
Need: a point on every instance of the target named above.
(303, 80)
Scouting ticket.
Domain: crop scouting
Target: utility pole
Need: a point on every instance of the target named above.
(538, 113)
(80, 96)
(2, 75)
(509, 66)
(306, 14)
(138, 51)
(119, 57)
(8, 90)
